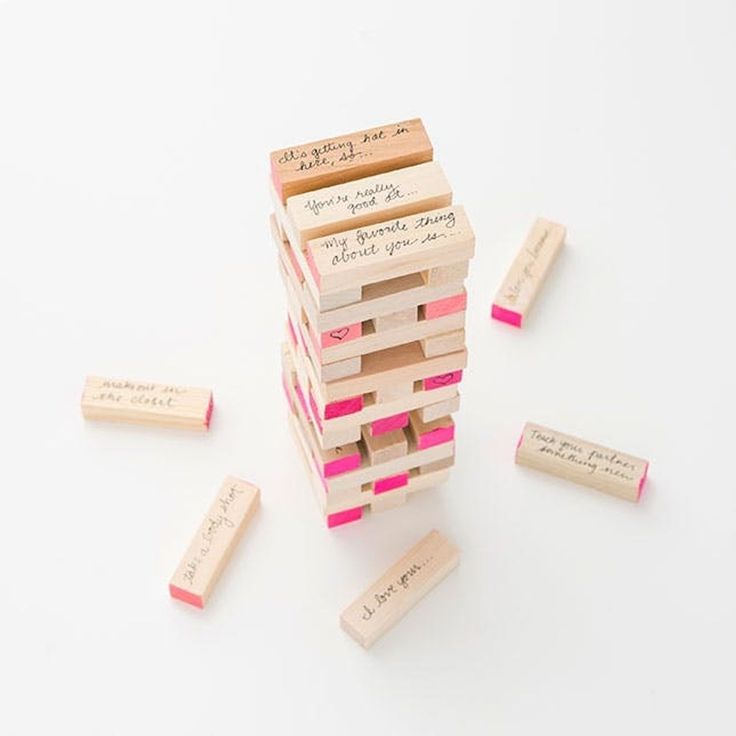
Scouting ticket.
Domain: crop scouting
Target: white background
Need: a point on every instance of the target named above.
(133, 225)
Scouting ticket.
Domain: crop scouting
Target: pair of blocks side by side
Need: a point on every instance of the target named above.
(528, 272)
(213, 544)
(406, 582)
(151, 404)
(582, 462)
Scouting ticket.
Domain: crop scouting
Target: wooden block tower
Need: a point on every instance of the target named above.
(373, 255)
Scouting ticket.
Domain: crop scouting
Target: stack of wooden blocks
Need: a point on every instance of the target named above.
(373, 256)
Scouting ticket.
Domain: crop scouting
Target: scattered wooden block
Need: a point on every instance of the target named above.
(446, 342)
(582, 462)
(439, 409)
(335, 160)
(453, 274)
(214, 542)
(384, 447)
(405, 317)
(528, 272)
(386, 601)
(390, 247)
(152, 404)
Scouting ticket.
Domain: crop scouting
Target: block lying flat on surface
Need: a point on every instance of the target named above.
(362, 202)
(335, 160)
(391, 247)
(376, 610)
(528, 272)
(214, 542)
(582, 462)
(153, 404)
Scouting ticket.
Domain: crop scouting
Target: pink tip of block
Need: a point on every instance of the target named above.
(388, 484)
(346, 406)
(292, 334)
(186, 596)
(208, 416)
(344, 517)
(642, 480)
(389, 424)
(448, 305)
(436, 437)
(521, 437)
(276, 182)
(295, 264)
(444, 379)
(505, 315)
(341, 465)
(315, 411)
(313, 266)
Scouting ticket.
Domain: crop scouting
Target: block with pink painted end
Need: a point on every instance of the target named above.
(294, 263)
(389, 424)
(443, 379)
(391, 482)
(312, 267)
(430, 434)
(448, 305)
(642, 481)
(344, 517)
(343, 407)
(348, 458)
(210, 409)
(506, 315)
(341, 335)
(315, 411)
(291, 331)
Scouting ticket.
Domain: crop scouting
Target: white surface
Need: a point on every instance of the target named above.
(133, 225)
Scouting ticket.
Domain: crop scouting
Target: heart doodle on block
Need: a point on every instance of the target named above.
(339, 334)
(443, 379)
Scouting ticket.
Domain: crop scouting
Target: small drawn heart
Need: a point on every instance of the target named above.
(444, 379)
(339, 334)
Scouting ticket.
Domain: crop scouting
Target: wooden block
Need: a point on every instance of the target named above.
(335, 160)
(394, 392)
(152, 404)
(388, 501)
(390, 483)
(435, 467)
(528, 272)
(388, 424)
(439, 409)
(443, 379)
(214, 542)
(446, 342)
(384, 447)
(445, 306)
(340, 335)
(421, 480)
(405, 317)
(582, 462)
(385, 602)
(341, 369)
(429, 434)
(452, 274)
(390, 247)
(364, 202)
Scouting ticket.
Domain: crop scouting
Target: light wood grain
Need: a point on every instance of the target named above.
(581, 461)
(406, 582)
(146, 403)
(215, 541)
(439, 409)
(330, 161)
(384, 447)
(451, 274)
(445, 342)
(391, 247)
(363, 202)
(385, 322)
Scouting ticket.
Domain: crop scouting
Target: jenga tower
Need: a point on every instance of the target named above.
(373, 255)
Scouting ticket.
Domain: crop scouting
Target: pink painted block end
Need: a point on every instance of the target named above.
(292, 334)
(390, 483)
(343, 334)
(210, 408)
(389, 424)
(186, 596)
(436, 437)
(344, 517)
(642, 481)
(295, 264)
(341, 465)
(448, 305)
(444, 379)
(346, 406)
(313, 267)
(505, 315)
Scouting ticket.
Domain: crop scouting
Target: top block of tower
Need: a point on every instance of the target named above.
(330, 161)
